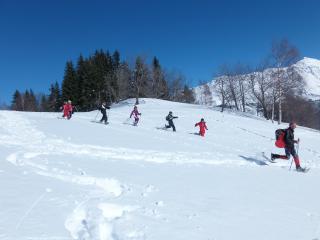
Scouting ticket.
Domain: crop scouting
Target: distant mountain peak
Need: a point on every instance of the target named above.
(308, 68)
(309, 61)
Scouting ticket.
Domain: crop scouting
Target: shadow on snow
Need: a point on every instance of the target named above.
(254, 160)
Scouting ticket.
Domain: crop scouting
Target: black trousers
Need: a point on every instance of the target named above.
(289, 151)
(104, 118)
(171, 125)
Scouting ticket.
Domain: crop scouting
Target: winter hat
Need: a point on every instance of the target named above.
(202, 120)
(292, 124)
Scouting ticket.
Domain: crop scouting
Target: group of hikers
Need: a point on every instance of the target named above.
(68, 110)
(284, 137)
(202, 124)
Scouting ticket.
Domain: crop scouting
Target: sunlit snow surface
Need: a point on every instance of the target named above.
(77, 179)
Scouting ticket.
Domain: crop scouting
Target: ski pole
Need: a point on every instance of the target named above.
(298, 146)
(297, 154)
(291, 164)
(127, 120)
(95, 119)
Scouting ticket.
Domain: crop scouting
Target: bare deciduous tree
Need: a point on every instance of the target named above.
(221, 87)
(207, 94)
(140, 79)
(284, 54)
(176, 82)
(124, 76)
(261, 86)
(242, 84)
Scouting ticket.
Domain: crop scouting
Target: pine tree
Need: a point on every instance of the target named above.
(33, 102)
(86, 78)
(116, 59)
(30, 101)
(17, 101)
(115, 69)
(103, 77)
(54, 99)
(26, 101)
(44, 104)
(70, 84)
(159, 84)
(81, 76)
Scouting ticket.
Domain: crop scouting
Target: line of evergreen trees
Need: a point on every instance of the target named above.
(104, 77)
(31, 102)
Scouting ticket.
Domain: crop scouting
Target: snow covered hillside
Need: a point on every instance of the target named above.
(77, 179)
(307, 68)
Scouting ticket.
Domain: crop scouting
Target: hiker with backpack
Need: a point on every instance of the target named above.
(203, 127)
(135, 113)
(285, 139)
(170, 118)
(103, 109)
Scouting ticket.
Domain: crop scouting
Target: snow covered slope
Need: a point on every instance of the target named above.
(77, 179)
(307, 68)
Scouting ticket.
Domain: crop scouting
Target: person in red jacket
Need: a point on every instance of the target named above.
(67, 110)
(71, 109)
(203, 127)
(135, 113)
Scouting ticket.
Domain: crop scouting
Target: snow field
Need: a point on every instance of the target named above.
(80, 180)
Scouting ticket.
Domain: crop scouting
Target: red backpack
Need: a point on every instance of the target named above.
(280, 133)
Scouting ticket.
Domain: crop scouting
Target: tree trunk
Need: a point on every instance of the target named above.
(272, 116)
(223, 102)
(280, 111)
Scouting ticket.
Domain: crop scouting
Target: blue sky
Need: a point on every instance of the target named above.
(194, 37)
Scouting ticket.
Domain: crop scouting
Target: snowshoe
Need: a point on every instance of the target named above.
(304, 170)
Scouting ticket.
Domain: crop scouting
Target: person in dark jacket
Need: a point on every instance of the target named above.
(289, 147)
(170, 118)
(103, 109)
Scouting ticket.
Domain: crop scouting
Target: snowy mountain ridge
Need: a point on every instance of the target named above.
(78, 179)
(307, 68)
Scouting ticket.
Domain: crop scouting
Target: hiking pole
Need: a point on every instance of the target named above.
(95, 119)
(292, 157)
(291, 164)
(108, 116)
(298, 146)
